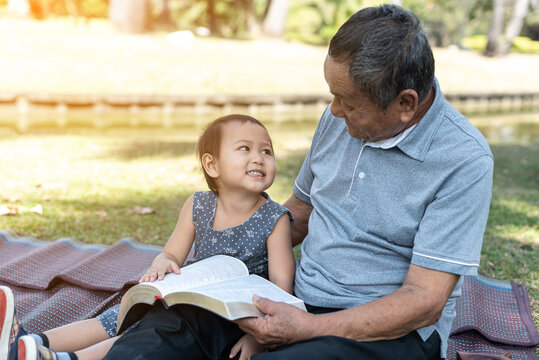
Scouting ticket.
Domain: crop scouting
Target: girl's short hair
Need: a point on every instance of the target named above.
(210, 140)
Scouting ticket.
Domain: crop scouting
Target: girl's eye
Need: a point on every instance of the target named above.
(266, 152)
(244, 148)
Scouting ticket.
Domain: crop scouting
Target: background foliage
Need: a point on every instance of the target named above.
(448, 22)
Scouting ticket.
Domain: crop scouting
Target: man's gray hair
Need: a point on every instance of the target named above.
(387, 51)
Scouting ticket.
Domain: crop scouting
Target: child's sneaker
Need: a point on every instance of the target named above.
(29, 349)
(10, 329)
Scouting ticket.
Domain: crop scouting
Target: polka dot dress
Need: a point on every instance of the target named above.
(246, 241)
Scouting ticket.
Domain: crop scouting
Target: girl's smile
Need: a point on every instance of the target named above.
(245, 161)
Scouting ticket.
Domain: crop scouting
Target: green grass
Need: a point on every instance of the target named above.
(512, 235)
(89, 183)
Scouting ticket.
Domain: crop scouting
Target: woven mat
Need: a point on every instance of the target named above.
(55, 283)
(493, 317)
(59, 282)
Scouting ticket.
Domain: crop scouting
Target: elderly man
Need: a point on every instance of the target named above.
(390, 205)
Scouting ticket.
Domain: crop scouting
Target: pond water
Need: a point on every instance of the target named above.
(497, 128)
(508, 128)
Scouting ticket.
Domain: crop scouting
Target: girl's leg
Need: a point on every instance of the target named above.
(29, 349)
(76, 336)
(97, 351)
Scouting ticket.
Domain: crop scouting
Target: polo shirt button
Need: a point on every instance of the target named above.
(361, 175)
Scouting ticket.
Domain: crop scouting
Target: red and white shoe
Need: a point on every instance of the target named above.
(7, 320)
(29, 349)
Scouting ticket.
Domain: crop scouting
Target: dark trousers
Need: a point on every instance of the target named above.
(408, 347)
(188, 332)
(181, 332)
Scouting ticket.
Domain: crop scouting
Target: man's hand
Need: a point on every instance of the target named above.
(282, 324)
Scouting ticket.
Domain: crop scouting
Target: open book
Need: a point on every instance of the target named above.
(221, 284)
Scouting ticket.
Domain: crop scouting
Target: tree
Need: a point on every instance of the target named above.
(495, 29)
(132, 16)
(18, 8)
(499, 44)
(275, 21)
(514, 27)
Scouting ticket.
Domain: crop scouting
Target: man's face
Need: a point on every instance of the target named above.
(364, 119)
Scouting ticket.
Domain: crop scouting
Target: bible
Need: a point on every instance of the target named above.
(221, 284)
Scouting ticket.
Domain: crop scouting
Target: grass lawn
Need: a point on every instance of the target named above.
(94, 186)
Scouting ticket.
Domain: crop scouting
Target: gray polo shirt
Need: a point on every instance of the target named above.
(420, 198)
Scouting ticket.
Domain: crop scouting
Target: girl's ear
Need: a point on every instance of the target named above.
(210, 166)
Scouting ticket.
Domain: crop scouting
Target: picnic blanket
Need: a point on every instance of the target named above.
(55, 283)
(58, 282)
(493, 317)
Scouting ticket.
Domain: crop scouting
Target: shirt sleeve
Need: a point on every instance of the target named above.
(304, 180)
(451, 231)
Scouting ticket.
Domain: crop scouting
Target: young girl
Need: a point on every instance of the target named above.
(235, 218)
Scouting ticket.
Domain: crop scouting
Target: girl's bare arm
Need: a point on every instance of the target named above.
(177, 248)
(281, 263)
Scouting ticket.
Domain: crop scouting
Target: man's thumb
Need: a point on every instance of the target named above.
(263, 304)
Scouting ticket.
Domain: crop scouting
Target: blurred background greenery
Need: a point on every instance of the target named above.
(493, 26)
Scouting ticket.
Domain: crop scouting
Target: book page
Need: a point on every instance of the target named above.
(242, 289)
(210, 270)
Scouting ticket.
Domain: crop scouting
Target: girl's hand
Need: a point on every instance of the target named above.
(248, 347)
(161, 265)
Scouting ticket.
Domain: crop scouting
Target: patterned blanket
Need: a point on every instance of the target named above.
(493, 317)
(55, 283)
(59, 282)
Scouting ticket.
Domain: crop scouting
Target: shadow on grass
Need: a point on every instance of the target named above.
(516, 165)
(504, 211)
(105, 220)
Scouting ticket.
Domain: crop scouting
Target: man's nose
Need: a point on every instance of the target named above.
(336, 108)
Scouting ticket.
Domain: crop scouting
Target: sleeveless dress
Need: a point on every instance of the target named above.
(246, 241)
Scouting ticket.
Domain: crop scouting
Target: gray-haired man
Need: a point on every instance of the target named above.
(390, 205)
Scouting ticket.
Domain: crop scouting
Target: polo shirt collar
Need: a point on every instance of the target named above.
(417, 142)
(391, 142)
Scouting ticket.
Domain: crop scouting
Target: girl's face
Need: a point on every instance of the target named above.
(246, 161)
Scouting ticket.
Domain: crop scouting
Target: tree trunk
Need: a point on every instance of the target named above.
(493, 45)
(212, 18)
(515, 25)
(131, 16)
(18, 8)
(276, 20)
(266, 10)
(163, 18)
(251, 23)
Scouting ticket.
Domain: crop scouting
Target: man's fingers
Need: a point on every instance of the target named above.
(247, 324)
(265, 305)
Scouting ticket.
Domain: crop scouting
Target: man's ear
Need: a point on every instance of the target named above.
(210, 166)
(407, 102)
